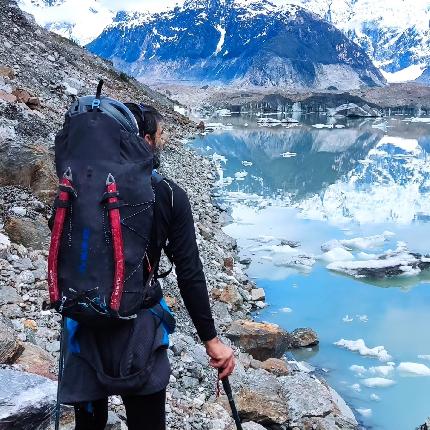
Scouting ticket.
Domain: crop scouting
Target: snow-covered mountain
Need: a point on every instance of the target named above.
(240, 41)
(78, 20)
(394, 33)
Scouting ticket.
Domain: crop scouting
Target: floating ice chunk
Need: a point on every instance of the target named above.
(223, 112)
(365, 412)
(383, 371)
(356, 387)
(286, 310)
(266, 120)
(218, 157)
(365, 256)
(391, 263)
(378, 382)
(374, 397)
(360, 347)
(363, 318)
(339, 126)
(247, 163)
(416, 369)
(359, 370)
(347, 319)
(363, 243)
(267, 258)
(303, 262)
(424, 357)
(322, 125)
(288, 154)
(425, 120)
(240, 176)
(217, 126)
(331, 244)
(264, 239)
(337, 254)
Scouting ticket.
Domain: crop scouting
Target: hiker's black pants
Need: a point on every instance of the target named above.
(143, 413)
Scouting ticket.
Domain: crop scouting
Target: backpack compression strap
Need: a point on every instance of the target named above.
(62, 204)
(118, 244)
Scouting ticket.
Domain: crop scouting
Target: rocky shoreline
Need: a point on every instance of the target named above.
(40, 74)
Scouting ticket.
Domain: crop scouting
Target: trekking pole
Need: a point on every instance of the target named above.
(228, 392)
(60, 375)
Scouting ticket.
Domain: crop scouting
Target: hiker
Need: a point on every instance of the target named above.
(129, 358)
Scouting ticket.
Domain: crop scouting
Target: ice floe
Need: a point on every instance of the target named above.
(397, 262)
(424, 357)
(211, 126)
(425, 120)
(379, 371)
(347, 319)
(364, 412)
(392, 263)
(356, 387)
(288, 154)
(358, 243)
(337, 254)
(413, 369)
(322, 125)
(383, 371)
(363, 318)
(286, 310)
(247, 163)
(359, 370)
(359, 346)
(374, 397)
(378, 382)
(240, 176)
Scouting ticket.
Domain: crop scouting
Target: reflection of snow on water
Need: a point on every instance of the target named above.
(395, 170)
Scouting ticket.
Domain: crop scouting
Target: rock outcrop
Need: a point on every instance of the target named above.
(26, 400)
(261, 340)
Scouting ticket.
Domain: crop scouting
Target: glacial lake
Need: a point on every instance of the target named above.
(365, 182)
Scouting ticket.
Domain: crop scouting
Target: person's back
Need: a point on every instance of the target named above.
(96, 360)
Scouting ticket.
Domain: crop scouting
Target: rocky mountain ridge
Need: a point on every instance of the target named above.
(232, 41)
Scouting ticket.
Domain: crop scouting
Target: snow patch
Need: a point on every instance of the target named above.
(221, 39)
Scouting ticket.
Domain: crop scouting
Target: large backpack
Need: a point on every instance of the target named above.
(98, 267)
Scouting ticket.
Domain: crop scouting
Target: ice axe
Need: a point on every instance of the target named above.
(228, 392)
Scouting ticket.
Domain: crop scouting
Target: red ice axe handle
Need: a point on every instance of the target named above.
(57, 231)
(118, 247)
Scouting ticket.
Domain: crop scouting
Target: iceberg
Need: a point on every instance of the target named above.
(359, 346)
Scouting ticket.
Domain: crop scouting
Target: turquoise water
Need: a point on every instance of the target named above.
(312, 185)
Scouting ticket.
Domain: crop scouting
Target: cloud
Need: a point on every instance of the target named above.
(141, 5)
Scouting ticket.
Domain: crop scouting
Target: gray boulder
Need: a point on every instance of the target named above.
(303, 337)
(10, 346)
(30, 233)
(26, 400)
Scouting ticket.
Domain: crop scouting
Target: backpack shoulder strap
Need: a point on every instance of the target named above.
(156, 178)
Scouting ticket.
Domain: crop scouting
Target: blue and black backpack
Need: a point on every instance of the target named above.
(99, 270)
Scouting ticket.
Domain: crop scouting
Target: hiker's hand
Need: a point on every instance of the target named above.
(222, 357)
